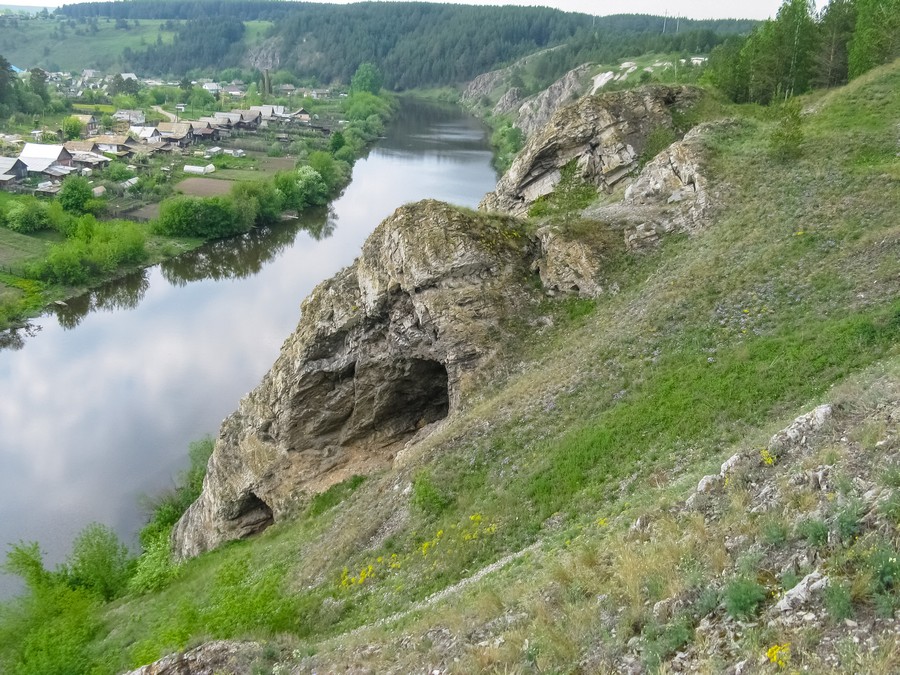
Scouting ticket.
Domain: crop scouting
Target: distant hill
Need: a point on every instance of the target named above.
(415, 44)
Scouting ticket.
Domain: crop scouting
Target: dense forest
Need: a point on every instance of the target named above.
(415, 44)
(801, 49)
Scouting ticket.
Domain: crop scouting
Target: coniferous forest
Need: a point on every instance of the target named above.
(414, 44)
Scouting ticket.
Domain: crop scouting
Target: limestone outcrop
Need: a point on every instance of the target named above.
(221, 656)
(669, 195)
(604, 134)
(534, 113)
(382, 349)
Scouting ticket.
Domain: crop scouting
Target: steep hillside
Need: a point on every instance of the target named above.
(681, 454)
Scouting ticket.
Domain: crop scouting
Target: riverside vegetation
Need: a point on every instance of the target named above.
(52, 249)
(576, 463)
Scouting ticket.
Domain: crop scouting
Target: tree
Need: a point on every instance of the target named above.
(72, 128)
(366, 78)
(37, 82)
(336, 142)
(75, 194)
(836, 24)
(876, 39)
(787, 137)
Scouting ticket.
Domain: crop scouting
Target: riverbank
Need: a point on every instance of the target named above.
(59, 261)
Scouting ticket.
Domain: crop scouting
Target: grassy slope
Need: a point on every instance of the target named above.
(614, 412)
(31, 44)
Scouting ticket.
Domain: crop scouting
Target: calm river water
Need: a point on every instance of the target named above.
(100, 404)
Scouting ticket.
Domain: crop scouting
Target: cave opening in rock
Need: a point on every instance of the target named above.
(254, 515)
(416, 394)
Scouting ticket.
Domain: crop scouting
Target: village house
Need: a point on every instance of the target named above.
(179, 133)
(51, 161)
(235, 91)
(12, 171)
(204, 131)
(133, 117)
(89, 123)
(116, 144)
(247, 119)
(149, 135)
(302, 115)
(211, 87)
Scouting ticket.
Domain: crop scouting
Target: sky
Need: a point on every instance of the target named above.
(694, 9)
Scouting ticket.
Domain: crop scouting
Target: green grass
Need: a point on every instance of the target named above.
(32, 44)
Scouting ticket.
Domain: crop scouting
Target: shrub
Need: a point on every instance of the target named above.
(787, 137)
(814, 531)
(99, 562)
(426, 495)
(27, 215)
(208, 218)
(74, 194)
(743, 597)
(837, 601)
(154, 569)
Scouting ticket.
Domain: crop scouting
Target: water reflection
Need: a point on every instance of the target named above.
(122, 294)
(94, 417)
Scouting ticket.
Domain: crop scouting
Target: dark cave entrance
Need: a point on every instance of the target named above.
(254, 516)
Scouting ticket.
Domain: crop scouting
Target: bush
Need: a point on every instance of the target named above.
(838, 602)
(99, 562)
(814, 531)
(75, 194)
(166, 508)
(268, 200)
(154, 569)
(93, 249)
(208, 218)
(27, 215)
(743, 597)
(787, 137)
(427, 497)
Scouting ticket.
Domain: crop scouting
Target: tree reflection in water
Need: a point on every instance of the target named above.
(244, 256)
(14, 338)
(123, 293)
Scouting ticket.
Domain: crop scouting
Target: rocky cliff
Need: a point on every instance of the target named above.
(534, 113)
(384, 348)
(392, 344)
(604, 134)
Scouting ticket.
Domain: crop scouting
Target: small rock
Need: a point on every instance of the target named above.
(802, 593)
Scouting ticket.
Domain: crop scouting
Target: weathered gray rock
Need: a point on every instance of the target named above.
(568, 265)
(223, 656)
(510, 101)
(536, 112)
(801, 594)
(798, 431)
(384, 348)
(483, 85)
(670, 195)
(604, 134)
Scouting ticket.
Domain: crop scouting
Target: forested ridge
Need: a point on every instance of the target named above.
(415, 44)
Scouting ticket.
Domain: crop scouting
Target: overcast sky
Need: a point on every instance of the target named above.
(695, 9)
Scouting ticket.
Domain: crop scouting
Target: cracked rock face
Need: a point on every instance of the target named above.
(670, 195)
(384, 348)
(604, 134)
(538, 110)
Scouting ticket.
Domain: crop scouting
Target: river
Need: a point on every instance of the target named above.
(100, 403)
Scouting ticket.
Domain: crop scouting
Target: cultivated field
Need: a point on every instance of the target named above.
(204, 187)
